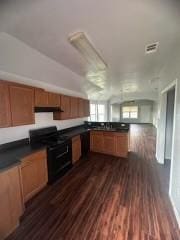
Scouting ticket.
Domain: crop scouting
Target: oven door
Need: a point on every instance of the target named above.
(59, 158)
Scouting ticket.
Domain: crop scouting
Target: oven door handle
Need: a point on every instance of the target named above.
(64, 153)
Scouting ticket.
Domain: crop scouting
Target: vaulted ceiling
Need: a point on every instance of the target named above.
(119, 29)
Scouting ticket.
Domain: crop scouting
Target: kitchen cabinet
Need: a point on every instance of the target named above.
(22, 104)
(5, 114)
(85, 143)
(122, 143)
(34, 174)
(11, 205)
(76, 148)
(109, 143)
(81, 107)
(65, 106)
(41, 98)
(97, 141)
(86, 108)
(53, 99)
(112, 143)
(74, 107)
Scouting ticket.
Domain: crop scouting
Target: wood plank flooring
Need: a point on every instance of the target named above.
(105, 197)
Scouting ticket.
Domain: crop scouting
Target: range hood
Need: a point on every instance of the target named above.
(47, 109)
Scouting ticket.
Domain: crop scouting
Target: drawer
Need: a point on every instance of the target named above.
(109, 134)
(32, 157)
(125, 135)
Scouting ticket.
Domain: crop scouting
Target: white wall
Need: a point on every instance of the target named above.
(17, 58)
(20, 63)
(42, 120)
(171, 71)
(145, 111)
(155, 113)
(115, 113)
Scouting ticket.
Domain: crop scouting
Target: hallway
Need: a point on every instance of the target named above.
(105, 198)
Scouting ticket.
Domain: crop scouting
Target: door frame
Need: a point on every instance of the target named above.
(162, 151)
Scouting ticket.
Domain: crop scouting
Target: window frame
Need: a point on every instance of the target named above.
(130, 112)
(97, 113)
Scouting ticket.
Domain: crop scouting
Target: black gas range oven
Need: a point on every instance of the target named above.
(59, 150)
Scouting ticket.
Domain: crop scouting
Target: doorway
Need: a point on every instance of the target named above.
(170, 102)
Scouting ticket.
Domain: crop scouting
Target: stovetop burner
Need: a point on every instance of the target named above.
(48, 136)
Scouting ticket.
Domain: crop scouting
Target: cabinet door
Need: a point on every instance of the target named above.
(109, 143)
(86, 108)
(76, 149)
(122, 145)
(5, 114)
(41, 98)
(53, 100)
(74, 107)
(65, 106)
(34, 174)
(11, 207)
(97, 142)
(22, 105)
(81, 107)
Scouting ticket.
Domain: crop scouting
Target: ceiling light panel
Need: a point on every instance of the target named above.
(80, 41)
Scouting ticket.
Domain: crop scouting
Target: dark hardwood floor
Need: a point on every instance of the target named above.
(105, 197)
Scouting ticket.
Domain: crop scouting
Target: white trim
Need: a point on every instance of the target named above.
(168, 87)
(173, 136)
(175, 211)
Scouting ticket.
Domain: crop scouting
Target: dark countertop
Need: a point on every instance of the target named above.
(12, 155)
(74, 132)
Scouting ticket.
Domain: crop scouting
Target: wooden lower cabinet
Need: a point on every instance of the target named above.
(76, 148)
(11, 204)
(34, 174)
(112, 143)
(121, 145)
(97, 141)
(109, 143)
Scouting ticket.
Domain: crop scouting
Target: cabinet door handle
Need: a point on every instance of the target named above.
(62, 154)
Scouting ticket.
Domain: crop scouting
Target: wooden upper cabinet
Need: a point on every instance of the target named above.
(53, 99)
(81, 107)
(74, 107)
(86, 108)
(5, 115)
(22, 104)
(41, 97)
(65, 107)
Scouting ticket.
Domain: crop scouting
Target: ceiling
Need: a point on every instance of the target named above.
(119, 30)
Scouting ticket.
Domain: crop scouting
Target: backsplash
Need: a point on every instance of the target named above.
(42, 120)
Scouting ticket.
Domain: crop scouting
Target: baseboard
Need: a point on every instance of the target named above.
(175, 211)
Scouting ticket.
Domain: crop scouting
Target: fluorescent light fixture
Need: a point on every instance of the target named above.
(80, 41)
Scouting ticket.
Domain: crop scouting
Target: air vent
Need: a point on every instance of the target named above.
(151, 48)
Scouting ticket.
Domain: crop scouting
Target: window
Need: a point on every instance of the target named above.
(97, 112)
(101, 112)
(93, 112)
(130, 112)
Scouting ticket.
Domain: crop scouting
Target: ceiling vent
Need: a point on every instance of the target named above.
(151, 48)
